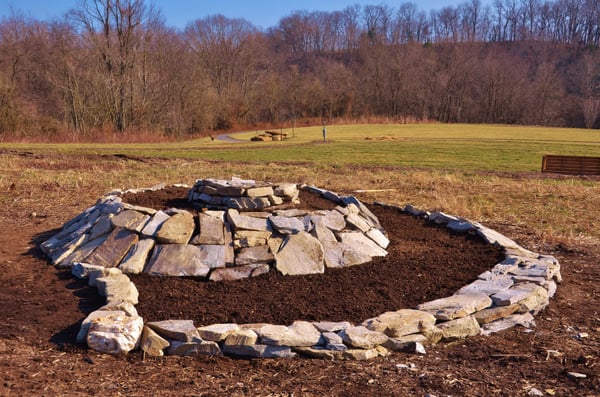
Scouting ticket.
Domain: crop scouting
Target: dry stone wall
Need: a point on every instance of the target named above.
(243, 232)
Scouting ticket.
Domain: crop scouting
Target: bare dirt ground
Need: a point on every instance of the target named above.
(42, 307)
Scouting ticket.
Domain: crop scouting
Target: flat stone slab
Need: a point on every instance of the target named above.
(525, 320)
(339, 255)
(245, 222)
(537, 300)
(241, 336)
(362, 243)
(330, 326)
(300, 254)
(239, 272)
(194, 348)
(178, 229)
(260, 191)
(286, 225)
(402, 322)
(405, 343)
(131, 220)
(81, 269)
(179, 330)
(286, 190)
(114, 248)
(460, 226)
(323, 233)
(66, 249)
(493, 237)
(363, 338)
(320, 352)
(154, 224)
(179, 260)
(137, 257)
(516, 294)
(250, 238)
(456, 306)
(487, 287)
(459, 328)
(259, 351)
(495, 313)
(217, 332)
(361, 354)
(333, 220)
(103, 226)
(117, 288)
(300, 333)
(254, 255)
(378, 237)
(82, 252)
(212, 231)
(247, 203)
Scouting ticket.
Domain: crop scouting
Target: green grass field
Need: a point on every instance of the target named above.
(439, 146)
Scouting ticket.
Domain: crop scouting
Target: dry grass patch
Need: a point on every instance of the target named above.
(542, 209)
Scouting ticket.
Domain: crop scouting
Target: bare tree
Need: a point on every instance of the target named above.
(114, 30)
(228, 52)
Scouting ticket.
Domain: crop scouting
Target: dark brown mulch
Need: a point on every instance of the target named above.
(425, 262)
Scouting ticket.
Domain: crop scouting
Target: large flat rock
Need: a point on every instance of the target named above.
(212, 231)
(362, 338)
(456, 306)
(259, 351)
(137, 257)
(114, 248)
(254, 255)
(300, 333)
(333, 220)
(402, 322)
(287, 225)
(459, 328)
(131, 220)
(179, 260)
(487, 287)
(178, 229)
(154, 224)
(245, 222)
(362, 243)
(239, 272)
(338, 255)
(300, 254)
(179, 330)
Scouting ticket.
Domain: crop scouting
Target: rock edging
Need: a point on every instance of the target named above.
(509, 294)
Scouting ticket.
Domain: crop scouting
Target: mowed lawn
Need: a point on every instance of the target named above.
(439, 146)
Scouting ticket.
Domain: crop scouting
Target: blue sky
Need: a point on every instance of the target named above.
(178, 13)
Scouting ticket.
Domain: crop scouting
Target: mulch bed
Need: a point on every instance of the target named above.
(425, 262)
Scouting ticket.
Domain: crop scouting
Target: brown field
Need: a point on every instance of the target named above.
(42, 306)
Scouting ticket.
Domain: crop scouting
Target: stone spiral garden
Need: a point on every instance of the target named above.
(241, 229)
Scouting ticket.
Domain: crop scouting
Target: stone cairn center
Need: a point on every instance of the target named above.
(246, 228)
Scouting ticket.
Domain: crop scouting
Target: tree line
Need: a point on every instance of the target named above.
(114, 66)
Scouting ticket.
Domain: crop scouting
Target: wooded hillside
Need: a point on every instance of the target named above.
(114, 66)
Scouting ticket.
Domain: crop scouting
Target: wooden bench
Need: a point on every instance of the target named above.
(571, 165)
